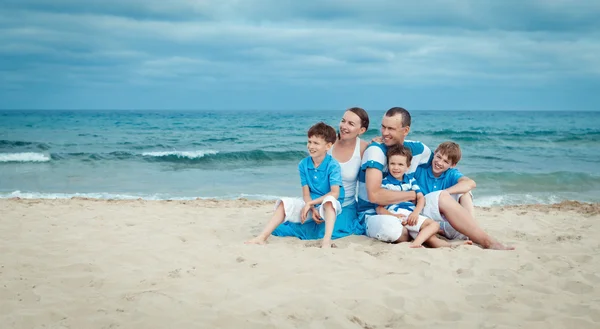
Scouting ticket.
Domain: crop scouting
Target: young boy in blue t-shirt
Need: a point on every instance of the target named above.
(322, 189)
(439, 175)
(420, 228)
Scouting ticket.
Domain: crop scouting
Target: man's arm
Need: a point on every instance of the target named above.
(381, 210)
(420, 203)
(382, 196)
(464, 185)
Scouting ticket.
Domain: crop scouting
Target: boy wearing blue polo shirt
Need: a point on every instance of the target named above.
(322, 191)
(441, 175)
(420, 228)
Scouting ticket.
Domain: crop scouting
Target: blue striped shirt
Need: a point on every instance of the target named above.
(408, 183)
(375, 157)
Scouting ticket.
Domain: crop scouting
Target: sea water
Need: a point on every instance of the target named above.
(515, 157)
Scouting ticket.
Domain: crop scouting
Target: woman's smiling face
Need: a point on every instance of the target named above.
(350, 126)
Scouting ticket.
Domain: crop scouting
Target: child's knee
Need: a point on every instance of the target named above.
(328, 206)
(431, 223)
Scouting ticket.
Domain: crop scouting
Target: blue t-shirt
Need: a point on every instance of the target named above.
(408, 183)
(375, 157)
(320, 179)
(429, 183)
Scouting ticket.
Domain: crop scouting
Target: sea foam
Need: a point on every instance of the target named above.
(24, 157)
(181, 154)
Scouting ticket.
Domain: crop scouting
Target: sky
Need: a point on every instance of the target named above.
(300, 55)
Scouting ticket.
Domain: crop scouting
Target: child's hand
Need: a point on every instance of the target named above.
(315, 215)
(402, 218)
(304, 213)
(412, 218)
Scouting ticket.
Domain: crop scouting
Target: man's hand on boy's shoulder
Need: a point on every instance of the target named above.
(377, 139)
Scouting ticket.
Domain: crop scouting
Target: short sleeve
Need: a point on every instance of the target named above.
(335, 173)
(454, 176)
(374, 157)
(302, 172)
(422, 155)
(414, 186)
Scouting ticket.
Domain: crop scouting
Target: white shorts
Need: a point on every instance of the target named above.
(388, 228)
(293, 208)
(432, 210)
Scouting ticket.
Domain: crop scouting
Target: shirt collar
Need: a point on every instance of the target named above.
(430, 172)
(395, 181)
(323, 164)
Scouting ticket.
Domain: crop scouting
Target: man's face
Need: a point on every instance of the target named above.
(392, 131)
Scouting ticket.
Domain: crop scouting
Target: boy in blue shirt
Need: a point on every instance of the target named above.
(441, 175)
(322, 191)
(420, 228)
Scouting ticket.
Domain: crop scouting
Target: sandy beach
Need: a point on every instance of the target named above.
(83, 263)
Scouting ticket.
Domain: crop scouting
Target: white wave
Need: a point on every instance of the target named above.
(181, 154)
(259, 196)
(480, 201)
(24, 157)
(517, 199)
(98, 195)
(119, 196)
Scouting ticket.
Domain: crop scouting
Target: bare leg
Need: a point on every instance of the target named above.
(463, 222)
(435, 242)
(428, 229)
(329, 224)
(466, 201)
(404, 237)
(278, 218)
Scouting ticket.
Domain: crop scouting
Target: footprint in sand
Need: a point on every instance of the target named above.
(375, 254)
(464, 273)
(360, 322)
(577, 287)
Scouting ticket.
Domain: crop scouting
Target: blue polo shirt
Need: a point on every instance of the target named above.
(430, 183)
(408, 183)
(320, 179)
(375, 157)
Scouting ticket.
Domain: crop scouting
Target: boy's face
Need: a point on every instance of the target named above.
(317, 146)
(397, 166)
(440, 164)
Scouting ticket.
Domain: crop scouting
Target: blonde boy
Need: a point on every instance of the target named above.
(439, 175)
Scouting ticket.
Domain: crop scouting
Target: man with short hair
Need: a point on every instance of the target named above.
(395, 126)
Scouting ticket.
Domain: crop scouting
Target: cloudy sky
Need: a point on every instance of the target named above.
(294, 54)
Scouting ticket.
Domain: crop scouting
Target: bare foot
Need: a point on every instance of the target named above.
(256, 240)
(416, 246)
(461, 243)
(499, 246)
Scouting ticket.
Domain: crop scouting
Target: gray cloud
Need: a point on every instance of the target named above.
(195, 45)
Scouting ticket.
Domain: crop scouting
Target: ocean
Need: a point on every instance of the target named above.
(515, 157)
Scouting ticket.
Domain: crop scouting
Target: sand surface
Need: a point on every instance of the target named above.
(156, 264)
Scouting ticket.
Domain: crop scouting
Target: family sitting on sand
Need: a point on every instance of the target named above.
(391, 189)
